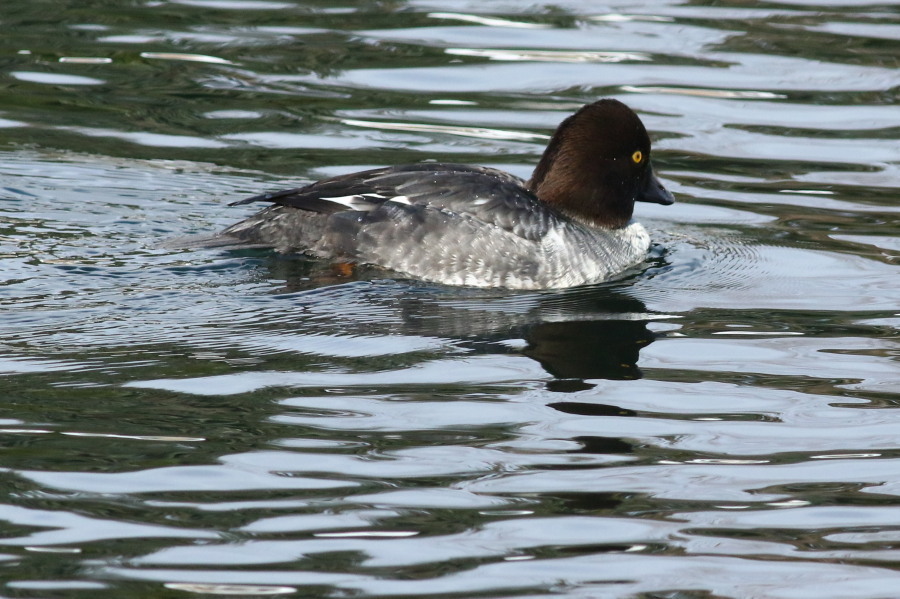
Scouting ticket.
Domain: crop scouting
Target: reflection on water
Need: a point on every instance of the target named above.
(718, 422)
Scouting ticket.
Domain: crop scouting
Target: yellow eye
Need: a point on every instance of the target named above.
(637, 157)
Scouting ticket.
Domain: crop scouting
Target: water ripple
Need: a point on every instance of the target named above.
(718, 421)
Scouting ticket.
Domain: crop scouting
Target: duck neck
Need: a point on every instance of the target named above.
(582, 192)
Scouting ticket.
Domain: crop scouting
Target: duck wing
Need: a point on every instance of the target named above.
(484, 194)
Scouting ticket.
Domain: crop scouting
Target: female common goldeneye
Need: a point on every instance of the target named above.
(568, 225)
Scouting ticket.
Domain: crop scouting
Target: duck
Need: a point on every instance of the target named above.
(569, 224)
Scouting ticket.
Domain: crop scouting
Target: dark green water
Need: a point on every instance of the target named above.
(722, 422)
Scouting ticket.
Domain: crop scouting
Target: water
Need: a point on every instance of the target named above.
(721, 422)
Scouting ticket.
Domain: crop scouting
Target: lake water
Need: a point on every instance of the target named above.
(723, 421)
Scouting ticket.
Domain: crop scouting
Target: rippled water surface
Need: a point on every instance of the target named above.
(721, 422)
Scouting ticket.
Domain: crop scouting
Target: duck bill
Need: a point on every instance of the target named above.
(653, 191)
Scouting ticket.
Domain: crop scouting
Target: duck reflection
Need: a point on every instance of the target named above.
(576, 335)
(598, 349)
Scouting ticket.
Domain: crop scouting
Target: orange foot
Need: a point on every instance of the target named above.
(342, 269)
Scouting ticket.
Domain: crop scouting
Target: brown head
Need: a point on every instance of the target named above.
(597, 165)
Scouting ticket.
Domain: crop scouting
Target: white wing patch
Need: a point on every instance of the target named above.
(351, 202)
(357, 201)
(365, 201)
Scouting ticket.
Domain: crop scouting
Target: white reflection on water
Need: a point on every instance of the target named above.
(487, 21)
(755, 73)
(548, 55)
(482, 369)
(55, 78)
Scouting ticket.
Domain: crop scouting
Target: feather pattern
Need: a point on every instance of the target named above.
(489, 195)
